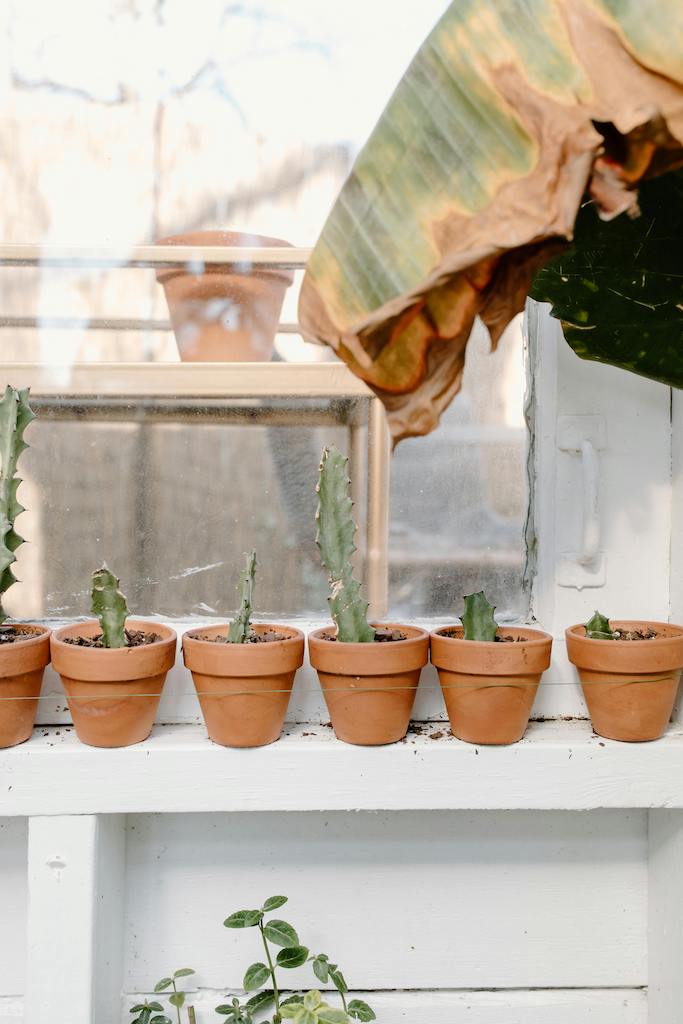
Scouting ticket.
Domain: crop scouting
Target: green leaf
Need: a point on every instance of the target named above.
(292, 956)
(598, 627)
(154, 1006)
(296, 998)
(338, 979)
(312, 999)
(163, 984)
(137, 1009)
(305, 1016)
(360, 1010)
(477, 619)
(184, 972)
(109, 605)
(290, 1009)
(321, 970)
(330, 1015)
(256, 976)
(244, 919)
(160, 1020)
(226, 1010)
(273, 903)
(280, 933)
(261, 1000)
(177, 999)
(619, 289)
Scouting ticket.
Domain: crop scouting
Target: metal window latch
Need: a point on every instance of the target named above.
(584, 436)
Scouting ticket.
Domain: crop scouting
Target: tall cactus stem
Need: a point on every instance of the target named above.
(239, 629)
(15, 416)
(109, 605)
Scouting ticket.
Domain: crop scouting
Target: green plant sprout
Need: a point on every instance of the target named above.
(598, 628)
(15, 416)
(109, 605)
(335, 539)
(239, 629)
(478, 620)
(153, 1013)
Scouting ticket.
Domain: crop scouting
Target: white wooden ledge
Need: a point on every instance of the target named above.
(559, 765)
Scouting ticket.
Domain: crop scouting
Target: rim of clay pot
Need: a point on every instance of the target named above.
(244, 659)
(631, 655)
(112, 665)
(241, 239)
(370, 658)
(13, 657)
(484, 657)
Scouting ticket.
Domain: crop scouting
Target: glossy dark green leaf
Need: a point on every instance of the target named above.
(225, 1010)
(244, 919)
(256, 975)
(619, 289)
(338, 980)
(261, 1000)
(321, 970)
(160, 1020)
(360, 1010)
(273, 902)
(292, 956)
(280, 933)
(296, 998)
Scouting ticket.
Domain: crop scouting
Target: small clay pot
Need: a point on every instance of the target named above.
(630, 685)
(220, 314)
(243, 689)
(489, 687)
(21, 675)
(113, 694)
(370, 688)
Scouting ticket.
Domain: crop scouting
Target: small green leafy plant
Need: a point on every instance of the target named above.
(598, 628)
(153, 1013)
(303, 1008)
(15, 416)
(478, 620)
(239, 629)
(335, 539)
(110, 607)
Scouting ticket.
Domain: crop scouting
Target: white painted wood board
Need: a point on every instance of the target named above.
(557, 765)
(578, 1006)
(13, 907)
(455, 900)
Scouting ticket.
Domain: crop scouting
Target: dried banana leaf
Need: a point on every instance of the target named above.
(509, 114)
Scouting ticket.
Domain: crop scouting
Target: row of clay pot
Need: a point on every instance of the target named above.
(369, 688)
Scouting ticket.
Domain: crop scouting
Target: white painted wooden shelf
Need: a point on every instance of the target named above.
(558, 765)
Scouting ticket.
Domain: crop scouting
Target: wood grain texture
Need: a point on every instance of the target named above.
(455, 900)
(557, 765)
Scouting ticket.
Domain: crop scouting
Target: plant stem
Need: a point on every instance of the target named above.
(343, 999)
(271, 967)
(177, 1009)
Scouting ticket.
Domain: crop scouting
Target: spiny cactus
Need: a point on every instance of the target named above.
(478, 620)
(109, 605)
(335, 538)
(15, 416)
(598, 627)
(240, 628)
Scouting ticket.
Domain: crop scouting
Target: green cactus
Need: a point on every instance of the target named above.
(478, 620)
(240, 628)
(109, 605)
(15, 416)
(335, 538)
(598, 627)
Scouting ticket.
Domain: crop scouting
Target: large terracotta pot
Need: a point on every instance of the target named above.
(21, 675)
(221, 315)
(113, 694)
(489, 687)
(370, 688)
(630, 685)
(243, 689)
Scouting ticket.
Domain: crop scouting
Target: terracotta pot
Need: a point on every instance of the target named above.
(489, 688)
(630, 685)
(243, 689)
(221, 315)
(113, 694)
(21, 675)
(370, 688)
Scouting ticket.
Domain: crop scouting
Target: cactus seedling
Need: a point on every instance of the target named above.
(478, 620)
(15, 416)
(598, 628)
(239, 629)
(109, 605)
(335, 539)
